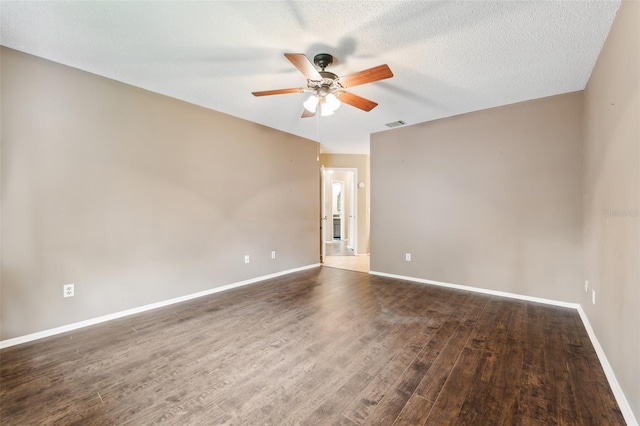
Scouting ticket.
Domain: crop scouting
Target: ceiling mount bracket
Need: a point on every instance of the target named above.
(323, 60)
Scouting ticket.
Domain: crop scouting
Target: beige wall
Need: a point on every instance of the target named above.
(532, 198)
(136, 197)
(611, 200)
(361, 163)
(490, 199)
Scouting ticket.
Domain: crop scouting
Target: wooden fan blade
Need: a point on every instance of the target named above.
(304, 65)
(357, 101)
(278, 92)
(306, 113)
(367, 76)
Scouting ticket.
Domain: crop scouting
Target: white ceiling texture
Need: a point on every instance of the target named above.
(448, 57)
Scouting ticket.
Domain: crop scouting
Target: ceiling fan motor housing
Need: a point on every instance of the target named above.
(323, 60)
(328, 84)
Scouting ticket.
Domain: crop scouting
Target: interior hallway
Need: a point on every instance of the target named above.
(338, 255)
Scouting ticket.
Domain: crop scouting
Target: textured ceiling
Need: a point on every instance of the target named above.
(448, 57)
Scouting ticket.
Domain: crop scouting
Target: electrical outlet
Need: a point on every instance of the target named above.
(586, 286)
(68, 290)
(593, 297)
(246, 259)
(273, 254)
(407, 257)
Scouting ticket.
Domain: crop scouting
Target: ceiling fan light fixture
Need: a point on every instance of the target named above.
(331, 102)
(311, 104)
(328, 104)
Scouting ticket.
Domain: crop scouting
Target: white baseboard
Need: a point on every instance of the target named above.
(618, 393)
(480, 290)
(627, 413)
(70, 327)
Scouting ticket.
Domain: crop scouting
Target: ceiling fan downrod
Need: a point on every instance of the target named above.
(323, 60)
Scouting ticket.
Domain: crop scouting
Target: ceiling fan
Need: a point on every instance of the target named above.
(328, 90)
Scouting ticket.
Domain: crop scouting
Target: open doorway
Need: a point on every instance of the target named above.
(340, 219)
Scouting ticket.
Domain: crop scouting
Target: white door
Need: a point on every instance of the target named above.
(326, 222)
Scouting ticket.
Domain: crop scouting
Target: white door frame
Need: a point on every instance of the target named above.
(323, 214)
(353, 190)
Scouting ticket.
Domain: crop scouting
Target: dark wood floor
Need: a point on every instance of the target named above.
(324, 346)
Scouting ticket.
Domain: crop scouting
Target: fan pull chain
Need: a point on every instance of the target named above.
(318, 114)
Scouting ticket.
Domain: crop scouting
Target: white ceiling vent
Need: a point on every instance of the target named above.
(395, 124)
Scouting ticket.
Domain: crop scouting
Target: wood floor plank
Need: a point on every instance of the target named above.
(366, 401)
(415, 412)
(584, 375)
(450, 400)
(480, 401)
(511, 366)
(610, 411)
(317, 389)
(390, 367)
(501, 396)
(344, 421)
(393, 402)
(538, 400)
(331, 409)
(442, 355)
(322, 346)
(447, 407)
(305, 368)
